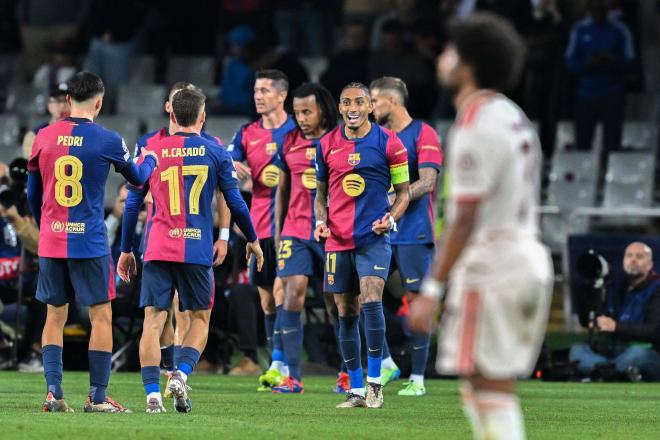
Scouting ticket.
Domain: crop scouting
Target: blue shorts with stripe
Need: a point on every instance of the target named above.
(88, 281)
(413, 262)
(299, 257)
(194, 282)
(343, 269)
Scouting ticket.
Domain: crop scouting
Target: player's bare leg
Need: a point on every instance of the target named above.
(371, 295)
(492, 407)
(295, 289)
(52, 342)
(271, 302)
(100, 360)
(348, 307)
(193, 345)
(155, 321)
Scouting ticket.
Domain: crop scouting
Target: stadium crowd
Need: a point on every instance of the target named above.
(582, 59)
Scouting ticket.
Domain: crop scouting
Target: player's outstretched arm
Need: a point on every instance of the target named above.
(240, 212)
(35, 191)
(137, 175)
(321, 232)
(130, 218)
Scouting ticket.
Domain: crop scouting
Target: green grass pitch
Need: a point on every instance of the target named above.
(227, 408)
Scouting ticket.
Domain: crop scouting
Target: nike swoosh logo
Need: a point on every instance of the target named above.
(255, 141)
(376, 267)
(275, 332)
(297, 147)
(348, 360)
(335, 151)
(373, 349)
(411, 280)
(286, 332)
(419, 348)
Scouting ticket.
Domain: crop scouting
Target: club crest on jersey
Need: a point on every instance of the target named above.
(271, 148)
(354, 159)
(310, 153)
(281, 264)
(331, 279)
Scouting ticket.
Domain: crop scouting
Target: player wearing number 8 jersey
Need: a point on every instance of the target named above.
(179, 252)
(68, 167)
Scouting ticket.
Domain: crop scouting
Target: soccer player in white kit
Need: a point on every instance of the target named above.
(499, 274)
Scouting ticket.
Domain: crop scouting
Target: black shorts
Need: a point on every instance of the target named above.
(265, 278)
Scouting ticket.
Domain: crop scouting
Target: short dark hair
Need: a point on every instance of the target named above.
(183, 85)
(393, 84)
(356, 85)
(492, 47)
(186, 106)
(324, 100)
(85, 85)
(279, 78)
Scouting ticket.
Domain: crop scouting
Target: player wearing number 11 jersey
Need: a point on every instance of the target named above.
(68, 167)
(179, 252)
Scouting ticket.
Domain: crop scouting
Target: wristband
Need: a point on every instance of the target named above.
(223, 234)
(393, 224)
(432, 288)
(319, 222)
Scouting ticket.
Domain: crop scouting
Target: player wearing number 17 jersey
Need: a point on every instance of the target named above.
(179, 252)
(69, 167)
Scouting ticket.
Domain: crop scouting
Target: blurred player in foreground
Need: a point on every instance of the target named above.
(179, 252)
(356, 163)
(68, 169)
(412, 242)
(500, 274)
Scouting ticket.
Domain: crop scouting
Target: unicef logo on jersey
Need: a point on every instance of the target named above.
(353, 185)
(270, 176)
(57, 226)
(176, 233)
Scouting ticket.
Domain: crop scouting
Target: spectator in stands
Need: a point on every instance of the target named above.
(600, 52)
(301, 24)
(406, 12)
(58, 108)
(351, 62)
(237, 88)
(44, 21)
(57, 70)
(633, 325)
(112, 26)
(398, 59)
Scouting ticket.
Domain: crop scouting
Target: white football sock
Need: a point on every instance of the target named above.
(284, 371)
(277, 365)
(417, 378)
(373, 380)
(500, 415)
(388, 363)
(154, 396)
(358, 391)
(470, 409)
(183, 375)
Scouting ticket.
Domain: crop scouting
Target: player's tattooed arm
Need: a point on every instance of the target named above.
(282, 203)
(425, 184)
(321, 232)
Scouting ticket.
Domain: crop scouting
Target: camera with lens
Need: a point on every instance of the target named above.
(12, 190)
(594, 272)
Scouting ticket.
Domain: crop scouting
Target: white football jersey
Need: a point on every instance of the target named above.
(494, 155)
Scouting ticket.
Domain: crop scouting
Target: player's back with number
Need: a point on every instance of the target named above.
(191, 167)
(74, 157)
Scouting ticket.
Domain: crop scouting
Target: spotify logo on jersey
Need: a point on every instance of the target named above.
(353, 185)
(309, 178)
(270, 176)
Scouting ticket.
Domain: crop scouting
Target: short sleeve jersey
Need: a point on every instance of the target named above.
(298, 160)
(359, 173)
(259, 147)
(183, 187)
(424, 151)
(74, 157)
(494, 159)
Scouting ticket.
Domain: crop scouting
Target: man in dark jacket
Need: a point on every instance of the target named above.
(635, 327)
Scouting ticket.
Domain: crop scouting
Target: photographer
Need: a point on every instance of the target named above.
(633, 330)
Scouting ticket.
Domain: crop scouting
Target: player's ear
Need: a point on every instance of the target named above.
(168, 107)
(202, 118)
(172, 118)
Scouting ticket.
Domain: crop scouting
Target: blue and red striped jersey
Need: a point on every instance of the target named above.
(73, 157)
(191, 168)
(358, 172)
(298, 159)
(260, 146)
(424, 151)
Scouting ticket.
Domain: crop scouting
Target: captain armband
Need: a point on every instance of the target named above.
(399, 173)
